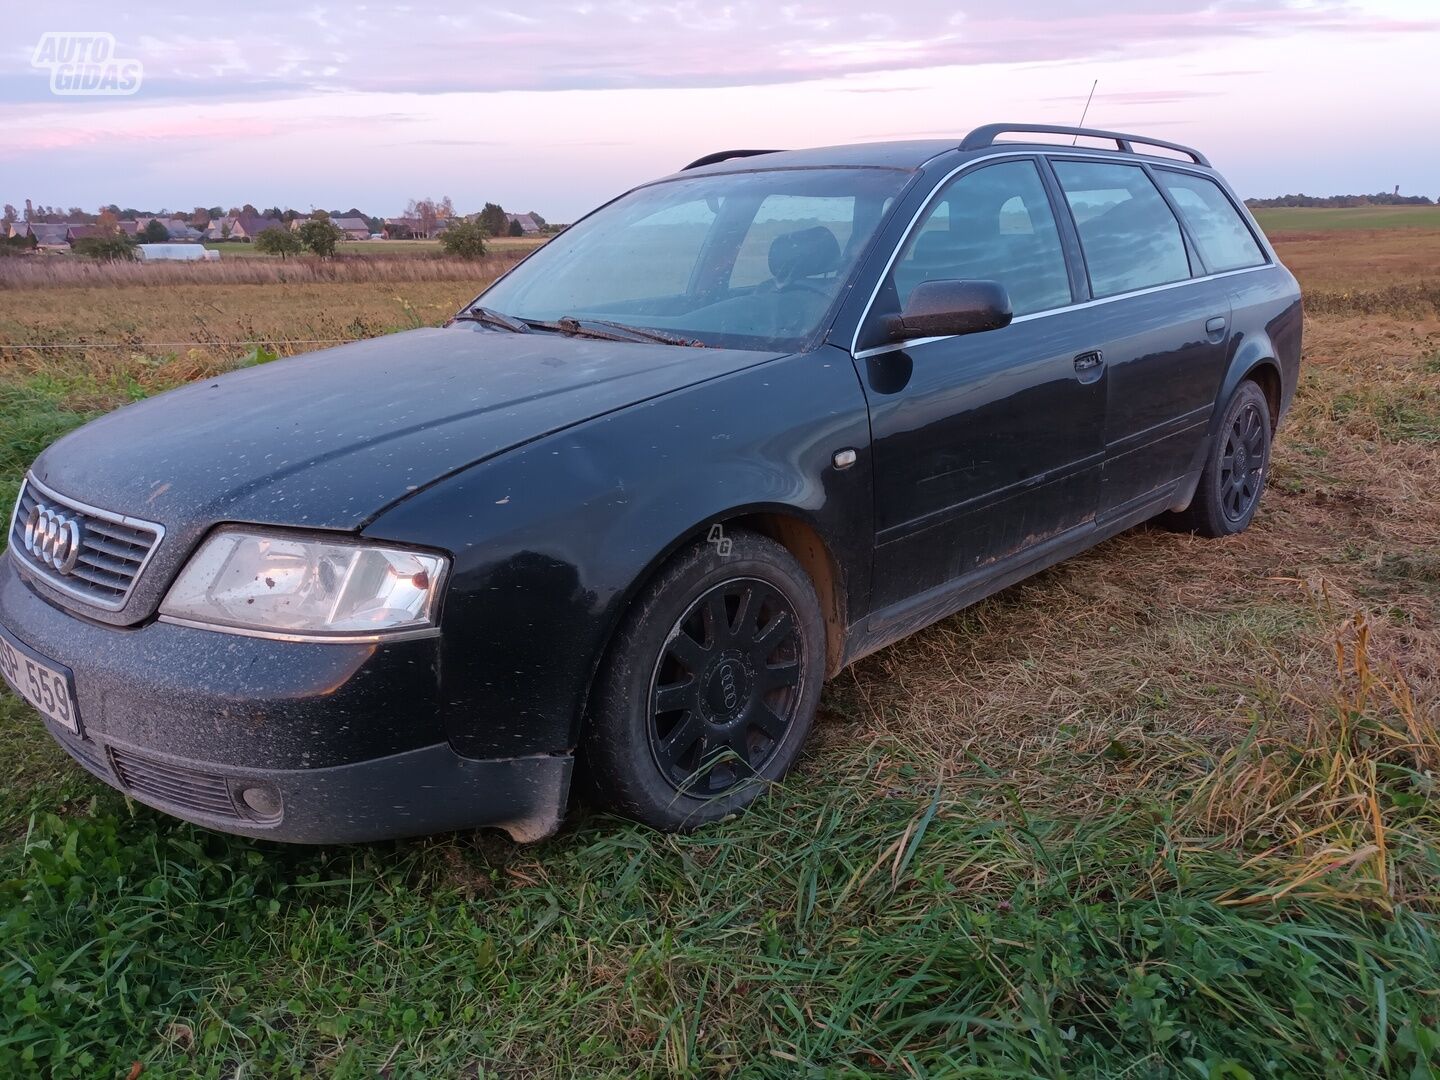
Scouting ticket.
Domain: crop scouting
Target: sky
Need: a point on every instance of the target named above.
(558, 106)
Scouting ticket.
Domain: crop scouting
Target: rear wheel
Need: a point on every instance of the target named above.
(710, 687)
(1235, 469)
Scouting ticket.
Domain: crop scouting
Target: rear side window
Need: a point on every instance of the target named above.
(1130, 238)
(1215, 225)
(992, 224)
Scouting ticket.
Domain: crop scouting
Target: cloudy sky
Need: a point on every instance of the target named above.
(554, 106)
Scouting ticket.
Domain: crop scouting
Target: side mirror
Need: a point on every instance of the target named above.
(945, 308)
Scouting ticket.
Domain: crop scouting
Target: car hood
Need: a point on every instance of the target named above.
(328, 439)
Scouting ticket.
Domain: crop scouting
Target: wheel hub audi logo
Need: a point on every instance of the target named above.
(52, 537)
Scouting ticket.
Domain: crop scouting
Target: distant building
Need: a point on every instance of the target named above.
(528, 225)
(354, 228)
(177, 228)
(175, 253)
(403, 228)
(50, 236)
(249, 226)
(241, 227)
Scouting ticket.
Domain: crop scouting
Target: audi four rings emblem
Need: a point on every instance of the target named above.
(52, 537)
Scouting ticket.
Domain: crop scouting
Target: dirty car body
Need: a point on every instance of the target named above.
(505, 494)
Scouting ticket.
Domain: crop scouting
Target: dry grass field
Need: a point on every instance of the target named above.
(1164, 810)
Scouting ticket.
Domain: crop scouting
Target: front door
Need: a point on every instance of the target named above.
(990, 444)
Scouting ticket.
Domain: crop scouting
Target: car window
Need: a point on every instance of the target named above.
(1215, 225)
(992, 224)
(659, 250)
(780, 214)
(752, 259)
(1130, 238)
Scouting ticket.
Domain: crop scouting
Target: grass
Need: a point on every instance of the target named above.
(1165, 810)
(1326, 218)
(51, 272)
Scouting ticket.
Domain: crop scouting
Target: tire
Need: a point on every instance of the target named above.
(1236, 466)
(710, 686)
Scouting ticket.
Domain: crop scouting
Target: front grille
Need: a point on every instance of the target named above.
(91, 554)
(204, 793)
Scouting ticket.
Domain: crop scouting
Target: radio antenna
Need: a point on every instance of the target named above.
(1086, 111)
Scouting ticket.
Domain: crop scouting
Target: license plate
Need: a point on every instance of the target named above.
(45, 687)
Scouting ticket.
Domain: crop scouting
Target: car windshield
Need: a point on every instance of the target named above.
(741, 260)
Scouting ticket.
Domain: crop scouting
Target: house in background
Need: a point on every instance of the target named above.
(49, 236)
(179, 230)
(241, 227)
(402, 228)
(409, 228)
(528, 225)
(354, 228)
(85, 232)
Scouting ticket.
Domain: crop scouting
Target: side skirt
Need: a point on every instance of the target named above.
(900, 620)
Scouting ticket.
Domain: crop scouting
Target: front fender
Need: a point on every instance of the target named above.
(551, 540)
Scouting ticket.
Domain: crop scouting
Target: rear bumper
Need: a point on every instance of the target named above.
(291, 741)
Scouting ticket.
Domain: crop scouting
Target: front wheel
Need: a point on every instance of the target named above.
(710, 687)
(1235, 469)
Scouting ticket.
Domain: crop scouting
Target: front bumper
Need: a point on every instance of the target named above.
(293, 741)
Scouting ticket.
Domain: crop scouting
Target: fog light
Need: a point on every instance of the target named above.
(263, 801)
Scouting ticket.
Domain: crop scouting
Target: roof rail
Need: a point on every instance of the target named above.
(725, 155)
(982, 137)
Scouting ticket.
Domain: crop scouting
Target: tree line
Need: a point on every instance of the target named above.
(1380, 199)
(426, 212)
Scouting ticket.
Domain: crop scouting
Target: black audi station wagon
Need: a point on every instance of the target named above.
(626, 511)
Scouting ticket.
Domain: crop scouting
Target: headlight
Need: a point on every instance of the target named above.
(274, 583)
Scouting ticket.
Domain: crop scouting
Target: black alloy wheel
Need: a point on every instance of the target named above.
(1232, 479)
(710, 686)
(1242, 462)
(726, 687)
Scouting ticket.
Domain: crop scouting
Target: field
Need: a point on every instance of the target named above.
(1291, 218)
(1165, 810)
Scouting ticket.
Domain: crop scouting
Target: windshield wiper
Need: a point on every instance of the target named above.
(490, 317)
(647, 334)
(605, 330)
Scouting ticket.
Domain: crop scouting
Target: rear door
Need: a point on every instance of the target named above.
(985, 445)
(1164, 331)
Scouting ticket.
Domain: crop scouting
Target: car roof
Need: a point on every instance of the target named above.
(905, 154)
(911, 154)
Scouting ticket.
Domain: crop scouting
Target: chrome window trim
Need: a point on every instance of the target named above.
(60, 584)
(1272, 259)
(878, 349)
(338, 638)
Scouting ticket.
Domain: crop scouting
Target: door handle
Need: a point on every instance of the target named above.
(1215, 325)
(1090, 365)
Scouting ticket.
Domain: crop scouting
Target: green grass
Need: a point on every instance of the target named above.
(828, 932)
(1306, 218)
